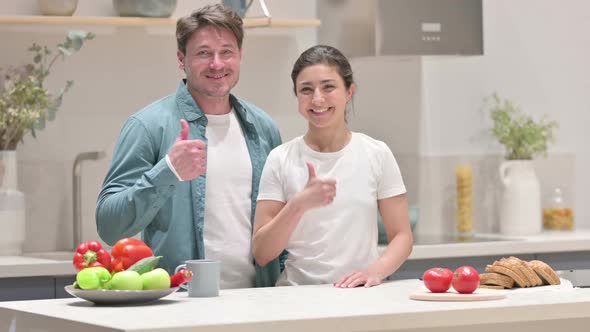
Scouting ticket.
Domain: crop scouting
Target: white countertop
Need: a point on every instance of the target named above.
(545, 242)
(60, 263)
(26, 266)
(307, 308)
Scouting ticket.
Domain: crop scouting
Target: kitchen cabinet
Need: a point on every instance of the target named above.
(34, 288)
(561, 250)
(31, 278)
(414, 268)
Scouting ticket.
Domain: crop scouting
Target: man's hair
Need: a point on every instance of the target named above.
(216, 15)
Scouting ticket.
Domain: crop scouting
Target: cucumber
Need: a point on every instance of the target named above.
(145, 264)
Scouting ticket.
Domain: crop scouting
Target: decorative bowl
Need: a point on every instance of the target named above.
(145, 8)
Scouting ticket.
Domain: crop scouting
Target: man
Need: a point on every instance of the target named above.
(186, 168)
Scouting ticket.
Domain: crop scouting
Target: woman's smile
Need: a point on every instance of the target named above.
(321, 111)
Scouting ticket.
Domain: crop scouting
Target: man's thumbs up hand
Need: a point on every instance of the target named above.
(184, 131)
(188, 157)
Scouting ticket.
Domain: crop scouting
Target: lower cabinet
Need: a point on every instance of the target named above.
(34, 288)
(413, 269)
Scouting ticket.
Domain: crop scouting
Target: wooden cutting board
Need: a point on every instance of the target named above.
(480, 294)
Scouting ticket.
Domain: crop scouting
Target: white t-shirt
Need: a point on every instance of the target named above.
(336, 239)
(227, 225)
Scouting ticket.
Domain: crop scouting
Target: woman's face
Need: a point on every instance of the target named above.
(322, 96)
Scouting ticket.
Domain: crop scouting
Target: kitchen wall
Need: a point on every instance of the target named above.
(428, 109)
(116, 74)
(536, 54)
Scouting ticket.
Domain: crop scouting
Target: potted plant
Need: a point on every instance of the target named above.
(523, 139)
(25, 106)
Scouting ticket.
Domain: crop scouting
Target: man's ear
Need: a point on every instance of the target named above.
(180, 57)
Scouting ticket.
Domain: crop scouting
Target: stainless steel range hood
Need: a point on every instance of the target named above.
(402, 27)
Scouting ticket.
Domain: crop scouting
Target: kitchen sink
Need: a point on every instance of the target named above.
(52, 255)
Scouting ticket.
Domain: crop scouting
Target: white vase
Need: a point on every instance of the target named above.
(12, 206)
(520, 206)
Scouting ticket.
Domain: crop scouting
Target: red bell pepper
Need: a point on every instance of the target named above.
(180, 277)
(127, 252)
(91, 254)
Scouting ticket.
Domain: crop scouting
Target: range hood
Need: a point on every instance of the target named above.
(402, 27)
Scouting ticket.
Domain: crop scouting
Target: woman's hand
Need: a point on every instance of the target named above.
(317, 192)
(358, 278)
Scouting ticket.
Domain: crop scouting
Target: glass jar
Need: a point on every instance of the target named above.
(558, 215)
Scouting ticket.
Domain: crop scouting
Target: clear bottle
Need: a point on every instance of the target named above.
(558, 215)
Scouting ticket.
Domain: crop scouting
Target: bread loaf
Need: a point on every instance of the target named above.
(513, 271)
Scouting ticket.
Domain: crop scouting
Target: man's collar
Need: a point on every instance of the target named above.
(191, 110)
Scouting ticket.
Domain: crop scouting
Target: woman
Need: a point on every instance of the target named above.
(320, 193)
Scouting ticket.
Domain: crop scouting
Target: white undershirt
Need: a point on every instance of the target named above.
(228, 229)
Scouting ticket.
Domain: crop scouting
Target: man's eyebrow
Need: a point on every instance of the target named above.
(205, 46)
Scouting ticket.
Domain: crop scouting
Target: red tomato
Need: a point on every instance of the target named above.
(437, 279)
(465, 280)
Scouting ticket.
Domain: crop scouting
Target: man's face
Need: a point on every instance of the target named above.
(211, 63)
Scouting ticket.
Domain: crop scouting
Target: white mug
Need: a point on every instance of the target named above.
(205, 281)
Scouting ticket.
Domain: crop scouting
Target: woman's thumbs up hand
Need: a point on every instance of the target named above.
(317, 192)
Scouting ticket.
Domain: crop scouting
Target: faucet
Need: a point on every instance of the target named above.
(77, 186)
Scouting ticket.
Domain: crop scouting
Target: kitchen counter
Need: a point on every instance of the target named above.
(311, 308)
(56, 264)
(30, 266)
(495, 244)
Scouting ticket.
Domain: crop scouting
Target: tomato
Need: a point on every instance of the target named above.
(437, 279)
(465, 280)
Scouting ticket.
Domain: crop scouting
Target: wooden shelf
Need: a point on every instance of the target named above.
(144, 21)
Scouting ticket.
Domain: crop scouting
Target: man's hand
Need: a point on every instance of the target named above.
(317, 192)
(188, 157)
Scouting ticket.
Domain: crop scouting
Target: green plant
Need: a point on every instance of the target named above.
(522, 137)
(25, 104)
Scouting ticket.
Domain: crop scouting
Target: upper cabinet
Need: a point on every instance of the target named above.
(402, 27)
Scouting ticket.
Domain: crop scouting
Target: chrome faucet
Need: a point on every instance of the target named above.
(77, 186)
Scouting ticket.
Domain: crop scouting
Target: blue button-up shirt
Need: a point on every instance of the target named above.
(141, 194)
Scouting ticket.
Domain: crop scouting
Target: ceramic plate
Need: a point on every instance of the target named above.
(103, 296)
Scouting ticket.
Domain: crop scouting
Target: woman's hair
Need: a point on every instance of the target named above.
(326, 55)
(217, 15)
